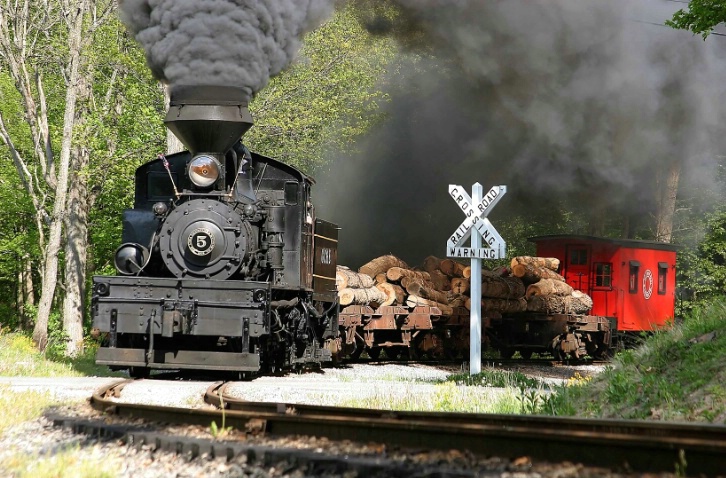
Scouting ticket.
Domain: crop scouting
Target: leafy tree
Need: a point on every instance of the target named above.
(701, 17)
(702, 269)
(326, 99)
(65, 117)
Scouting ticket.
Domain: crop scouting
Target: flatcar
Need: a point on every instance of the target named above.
(631, 284)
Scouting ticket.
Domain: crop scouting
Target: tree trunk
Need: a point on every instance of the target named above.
(530, 273)
(431, 264)
(666, 205)
(173, 145)
(392, 293)
(372, 296)
(577, 303)
(354, 280)
(40, 332)
(440, 281)
(414, 300)
(549, 287)
(452, 268)
(75, 256)
(459, 285)
(502, 287)
(504, 306)
(28, 291)
(416, 287)
(395, 274)
(551, 263)
(381, 264)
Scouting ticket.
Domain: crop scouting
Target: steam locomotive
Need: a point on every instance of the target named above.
(223, 263)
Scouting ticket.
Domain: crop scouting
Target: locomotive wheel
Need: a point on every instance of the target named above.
(526, 354)
(506, 352)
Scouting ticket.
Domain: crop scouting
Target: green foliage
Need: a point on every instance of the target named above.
(701, 17)
(701, 271)
(124, 130)
(326, 99)
(676, 374)
(19, 357)
(495, 378)
(445, 397)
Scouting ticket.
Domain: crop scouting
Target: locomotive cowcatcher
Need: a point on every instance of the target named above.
(223, 264)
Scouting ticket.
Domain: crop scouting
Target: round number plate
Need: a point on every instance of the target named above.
(201, 242)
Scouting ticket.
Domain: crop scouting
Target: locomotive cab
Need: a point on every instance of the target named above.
(223, 264)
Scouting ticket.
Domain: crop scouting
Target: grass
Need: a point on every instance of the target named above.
(676, 374)
(447, 397)
(491, 391)
(73, 462)
(19, 357)
(18, 407)
(495, 378)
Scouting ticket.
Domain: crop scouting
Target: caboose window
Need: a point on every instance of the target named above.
(291, 193)
(578, 257)
(603, 274)
(633, 282)
(662, 273)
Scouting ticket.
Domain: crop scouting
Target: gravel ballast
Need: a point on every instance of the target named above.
(40, 437)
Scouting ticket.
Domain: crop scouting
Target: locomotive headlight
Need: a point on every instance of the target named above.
(204, 171)
(160, 209)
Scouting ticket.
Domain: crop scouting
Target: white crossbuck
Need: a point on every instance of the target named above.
(476, 220)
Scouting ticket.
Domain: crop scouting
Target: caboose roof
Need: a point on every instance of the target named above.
(630, 243)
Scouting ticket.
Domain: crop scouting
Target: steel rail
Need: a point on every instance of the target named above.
(633, 445)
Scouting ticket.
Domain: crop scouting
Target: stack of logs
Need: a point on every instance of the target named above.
(529, 284)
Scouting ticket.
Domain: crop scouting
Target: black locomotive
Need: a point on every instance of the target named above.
(223, 264)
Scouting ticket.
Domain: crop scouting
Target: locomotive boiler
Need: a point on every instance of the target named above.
(223, 263)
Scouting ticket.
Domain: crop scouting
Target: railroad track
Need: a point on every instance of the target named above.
(617, 444)
(486, 361)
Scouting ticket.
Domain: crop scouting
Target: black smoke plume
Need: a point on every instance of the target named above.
(574, 103)
(221, 42)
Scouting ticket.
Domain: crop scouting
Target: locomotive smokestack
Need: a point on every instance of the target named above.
(208, 118)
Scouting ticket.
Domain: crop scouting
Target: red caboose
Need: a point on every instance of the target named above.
(630, 281)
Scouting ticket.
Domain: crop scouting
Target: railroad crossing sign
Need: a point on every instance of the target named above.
(477, 226)
(476, 212)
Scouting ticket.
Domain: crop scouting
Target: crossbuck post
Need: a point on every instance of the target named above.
(475, 289)
(485, 243)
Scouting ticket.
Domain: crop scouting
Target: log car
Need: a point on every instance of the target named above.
(404, 332)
